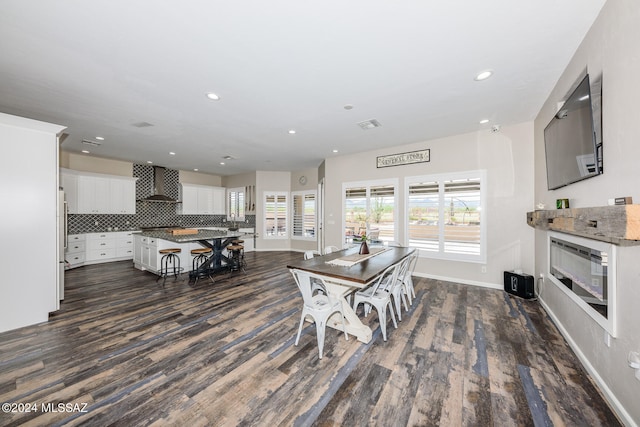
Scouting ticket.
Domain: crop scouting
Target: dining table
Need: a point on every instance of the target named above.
(346, 271)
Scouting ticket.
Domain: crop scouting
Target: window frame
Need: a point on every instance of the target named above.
(239, 210)
(394, 182)
(303, 194)
(441, 178)
(276, 194)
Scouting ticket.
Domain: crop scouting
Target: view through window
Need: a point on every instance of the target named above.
(445, 215)
(370, 209)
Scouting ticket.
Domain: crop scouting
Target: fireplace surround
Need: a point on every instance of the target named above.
(585, 270)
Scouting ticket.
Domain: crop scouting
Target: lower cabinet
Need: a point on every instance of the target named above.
(75, 253)
(147, 257)
(95, 248)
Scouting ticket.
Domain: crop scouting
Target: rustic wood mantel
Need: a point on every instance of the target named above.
(619, 225)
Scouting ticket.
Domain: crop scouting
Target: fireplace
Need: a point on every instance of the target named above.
(585, 270)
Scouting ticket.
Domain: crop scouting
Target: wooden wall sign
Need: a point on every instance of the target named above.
(420, 156)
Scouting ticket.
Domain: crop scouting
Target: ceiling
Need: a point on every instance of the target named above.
(137, 72)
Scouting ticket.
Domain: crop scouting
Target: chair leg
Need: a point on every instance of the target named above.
(320, 330)
(300, 327)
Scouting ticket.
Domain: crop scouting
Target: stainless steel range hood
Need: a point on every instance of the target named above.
(158, 187)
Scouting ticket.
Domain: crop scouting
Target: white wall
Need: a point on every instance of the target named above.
(611, 49)
(507, 156)
(88, 163)
(28, 224)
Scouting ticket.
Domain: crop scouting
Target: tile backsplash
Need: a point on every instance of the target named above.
(149, 214)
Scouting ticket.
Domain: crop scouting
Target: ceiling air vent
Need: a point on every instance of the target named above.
(369, 124)
(92, 143)
(142, 124)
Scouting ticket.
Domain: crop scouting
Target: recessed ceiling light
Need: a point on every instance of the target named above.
(172, 153)
(100, 138)
(222, 163)
(195, 170)
(213, 96)
(292, 131)
(484, 75)
(335, 151)
(85, 151)
(483, 121)
(149, 161)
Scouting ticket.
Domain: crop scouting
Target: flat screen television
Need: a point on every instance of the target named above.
(571, 146)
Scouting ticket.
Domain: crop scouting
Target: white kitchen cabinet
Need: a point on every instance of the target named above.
(93, 195)
(69, 184)
(202, 200)
(88, 193)
(76, 250)
(219, 197)
(147, 256)
(102, 247)
(124, 245)
(122, 196)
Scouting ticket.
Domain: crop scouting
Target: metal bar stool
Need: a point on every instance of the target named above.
(237, 257)
(169, 257)
(240, 242)
(200, 256)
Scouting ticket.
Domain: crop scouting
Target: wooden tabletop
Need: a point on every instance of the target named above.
(362, 272)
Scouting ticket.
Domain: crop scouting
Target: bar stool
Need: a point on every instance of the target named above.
(169, 256)
(240, 242)
(237, 257)
(200, 256)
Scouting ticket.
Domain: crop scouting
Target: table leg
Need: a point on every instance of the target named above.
(354, 326)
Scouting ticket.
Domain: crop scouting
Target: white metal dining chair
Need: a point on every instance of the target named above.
(330, 249)
(310, 254)
(379, 297)
(320, 307)
(314, 287)
(407, 281)
(397, 287)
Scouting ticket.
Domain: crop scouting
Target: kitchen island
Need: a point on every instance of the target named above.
(148, 243)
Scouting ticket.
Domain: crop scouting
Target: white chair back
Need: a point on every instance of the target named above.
(330, 249)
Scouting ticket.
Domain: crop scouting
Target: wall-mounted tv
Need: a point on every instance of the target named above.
(572, 150)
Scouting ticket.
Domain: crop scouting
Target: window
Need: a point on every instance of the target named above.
(275, 215)
(370, 208)
(304, 215)
(445, 218)
(235, 204)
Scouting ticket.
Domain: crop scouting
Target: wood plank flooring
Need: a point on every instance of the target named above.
(123, 351)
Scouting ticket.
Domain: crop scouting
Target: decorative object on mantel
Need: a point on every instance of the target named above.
(619, 225)
(623, 200)
(419, 156)
(562, 203)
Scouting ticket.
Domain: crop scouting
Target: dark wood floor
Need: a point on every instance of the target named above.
(125, 352)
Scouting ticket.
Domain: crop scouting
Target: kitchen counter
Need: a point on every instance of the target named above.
(185, 238)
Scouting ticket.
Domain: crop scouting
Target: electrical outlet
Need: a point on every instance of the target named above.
(96, 223)
(483, 269)
(541, 276)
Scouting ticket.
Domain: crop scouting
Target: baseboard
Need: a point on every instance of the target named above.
(606, 391)
(462, 281)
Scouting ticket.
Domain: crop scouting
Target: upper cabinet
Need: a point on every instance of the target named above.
(202, 200)
(98, 194)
